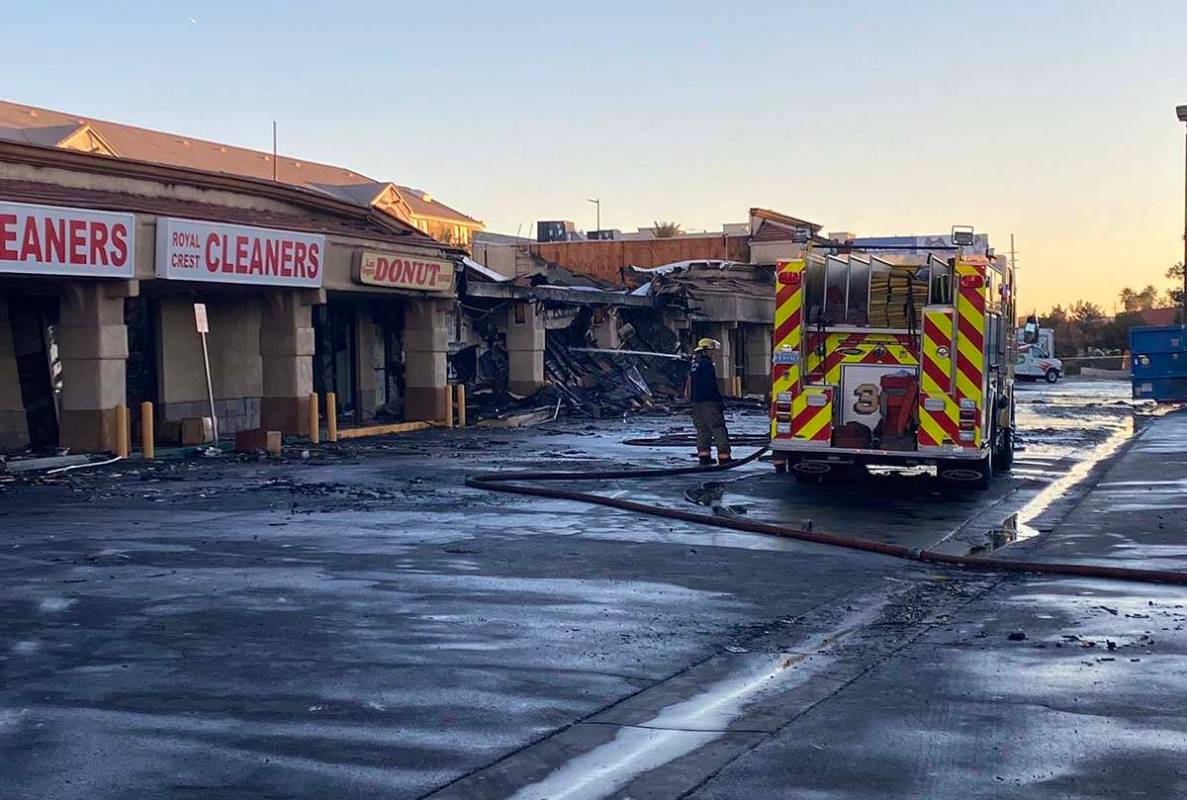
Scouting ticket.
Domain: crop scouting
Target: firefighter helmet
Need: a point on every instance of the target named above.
(708, 344)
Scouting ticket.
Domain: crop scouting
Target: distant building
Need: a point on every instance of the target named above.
(1161, 316)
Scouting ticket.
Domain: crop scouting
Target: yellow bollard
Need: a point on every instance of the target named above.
(314, 422)
(448, 405)
(122, 436)
(148, 445)
(461, 405)
(737, 386)
(331, 417)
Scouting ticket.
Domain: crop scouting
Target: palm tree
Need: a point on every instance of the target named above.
(666, 230)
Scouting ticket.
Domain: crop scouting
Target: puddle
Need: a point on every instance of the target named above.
(687, 726)
(1053, 491)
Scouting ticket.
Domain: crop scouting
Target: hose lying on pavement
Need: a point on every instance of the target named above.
(511, 482)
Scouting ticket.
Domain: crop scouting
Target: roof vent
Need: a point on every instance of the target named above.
(428, 198)
(32, 112)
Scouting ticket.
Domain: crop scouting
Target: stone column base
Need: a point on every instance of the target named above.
(87, 430)
(424, 403)
(288, 415)
(524, 388)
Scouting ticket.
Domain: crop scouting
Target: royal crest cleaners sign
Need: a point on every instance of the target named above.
(190, 250)
(48, 240)
(405, 272)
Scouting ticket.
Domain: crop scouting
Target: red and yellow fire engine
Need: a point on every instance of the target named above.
(896, 360)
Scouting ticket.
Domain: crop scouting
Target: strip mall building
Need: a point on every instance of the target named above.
(309, 286)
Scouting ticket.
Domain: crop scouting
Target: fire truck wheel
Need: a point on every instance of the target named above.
(1003, 455)
(1052, 375)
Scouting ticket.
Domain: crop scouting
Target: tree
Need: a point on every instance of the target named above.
(1175, 293)
(666, 230)
(1086, 313)
(1131, 300)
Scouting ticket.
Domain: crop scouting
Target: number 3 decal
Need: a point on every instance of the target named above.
(867, 399)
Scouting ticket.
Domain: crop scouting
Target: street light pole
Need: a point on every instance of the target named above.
(1181, 113)
(598, 204)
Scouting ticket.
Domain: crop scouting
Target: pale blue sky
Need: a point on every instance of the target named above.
(1050, 120)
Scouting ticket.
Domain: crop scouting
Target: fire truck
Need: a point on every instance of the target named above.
(897, 360)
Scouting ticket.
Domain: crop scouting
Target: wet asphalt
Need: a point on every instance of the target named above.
(359, 623)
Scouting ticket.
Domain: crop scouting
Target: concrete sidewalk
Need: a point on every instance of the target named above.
(1136, 514)
(1040, 688)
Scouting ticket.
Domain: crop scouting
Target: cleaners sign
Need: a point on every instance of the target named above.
(405, 272)
(48, 240)
(189, 250)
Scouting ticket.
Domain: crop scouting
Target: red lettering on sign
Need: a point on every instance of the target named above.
(55, 240)
(381, 267)
(271, 257)
(119, 244)
(257, 261)
(299, 257)
(31, 241)
(286, 259)
(98, 243)
(241, 255)
(212, 262)
(7, 234)
(228, 254)
(314, 261)
(78, 242)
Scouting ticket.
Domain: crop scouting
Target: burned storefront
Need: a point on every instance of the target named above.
(103, 260)
(723, 300)
(380, 337)
(566, 342)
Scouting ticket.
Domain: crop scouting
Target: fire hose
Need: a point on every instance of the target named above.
(513, 482)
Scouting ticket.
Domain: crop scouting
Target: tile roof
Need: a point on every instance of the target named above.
(31, 125)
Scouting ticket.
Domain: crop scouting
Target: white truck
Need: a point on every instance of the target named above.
(1036, 360)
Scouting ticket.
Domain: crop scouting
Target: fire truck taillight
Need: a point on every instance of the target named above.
(818, 400)
(971, 281)
(791, 278)
(934, 403)
(968, 418)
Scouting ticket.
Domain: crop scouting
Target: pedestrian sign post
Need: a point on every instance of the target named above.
(202, 322)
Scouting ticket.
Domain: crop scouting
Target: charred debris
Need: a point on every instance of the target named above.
(606, 350)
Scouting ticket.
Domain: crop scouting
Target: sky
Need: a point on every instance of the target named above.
(1049, 120)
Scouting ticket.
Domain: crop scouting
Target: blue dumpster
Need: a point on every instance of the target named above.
(1159, 363)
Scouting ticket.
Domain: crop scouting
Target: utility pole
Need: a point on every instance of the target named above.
(273, 150)
(598, 204)
(1181, 113)
(1014, 271)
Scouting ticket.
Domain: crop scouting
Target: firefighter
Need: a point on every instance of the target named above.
(707, 408)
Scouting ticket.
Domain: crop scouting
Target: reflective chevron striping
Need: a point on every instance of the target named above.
(970, 341)
(786, 338)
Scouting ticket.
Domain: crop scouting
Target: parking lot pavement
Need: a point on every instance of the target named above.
(1039, 688)
(360, 624)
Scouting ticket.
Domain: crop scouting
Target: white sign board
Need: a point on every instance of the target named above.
(861, 392)
(190, 250)
(49, 240)
(200, 319)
